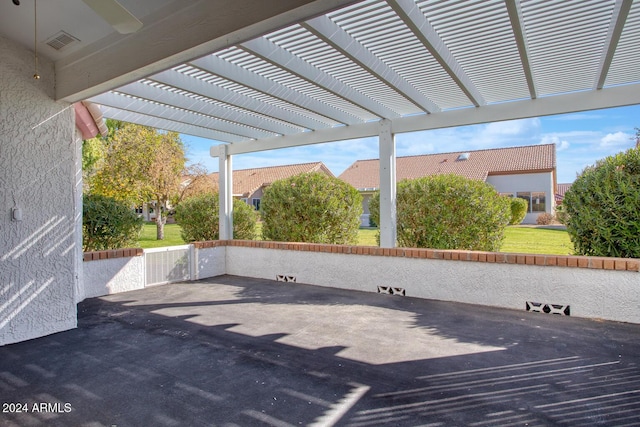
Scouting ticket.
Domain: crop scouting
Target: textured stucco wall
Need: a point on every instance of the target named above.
(209, 262)
(610, 294)
(38, 265)
(110, 276)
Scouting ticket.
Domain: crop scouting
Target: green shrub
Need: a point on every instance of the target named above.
(448, 212)
(561, 215)
(311, 207)
(603, 207)
(108, 224)
(198, 217)
(519, 208)
(545, 219)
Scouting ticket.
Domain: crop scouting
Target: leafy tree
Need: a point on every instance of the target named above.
(448, 212)
(142, 165)
(198, 217)
(311, 207)
(108, 224)
(602, 207)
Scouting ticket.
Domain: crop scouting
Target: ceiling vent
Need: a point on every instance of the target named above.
(463, 156)
(61, 40)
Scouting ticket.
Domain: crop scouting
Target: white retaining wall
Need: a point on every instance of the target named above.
(605, 294)
(113, 275)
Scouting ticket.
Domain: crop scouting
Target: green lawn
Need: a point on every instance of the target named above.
(517, 239)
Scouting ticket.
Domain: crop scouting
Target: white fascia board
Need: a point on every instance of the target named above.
(175, 35)
(194, 85)
(235, 73)
(335, 36)
(413, 17)
(273, 53)
(162, 111)
(559, 104)
(169, 125)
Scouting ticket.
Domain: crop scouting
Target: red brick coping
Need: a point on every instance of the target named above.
(115, 253)
(599, 263)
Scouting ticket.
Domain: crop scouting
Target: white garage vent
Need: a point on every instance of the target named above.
(285, 278)
(540, 307)
(390, 290)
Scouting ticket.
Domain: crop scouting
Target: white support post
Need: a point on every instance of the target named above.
(225, 184)
(387, 147)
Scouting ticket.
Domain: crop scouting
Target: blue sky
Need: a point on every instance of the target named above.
(580, 138)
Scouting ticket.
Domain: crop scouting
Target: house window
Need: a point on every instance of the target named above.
(538, 202)
(256, 204)
(244, 199)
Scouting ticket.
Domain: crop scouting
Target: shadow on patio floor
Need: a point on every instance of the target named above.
(237, 351)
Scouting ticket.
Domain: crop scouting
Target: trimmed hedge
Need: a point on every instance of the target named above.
(108, 224)
(448, 212)
(198, 217)
(311, 207)
(519, 208)
(602, 207)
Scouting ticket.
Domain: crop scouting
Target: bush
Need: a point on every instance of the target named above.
(603, 207)
(561, 215)
(448, 212)
(545, 219)
(108, 224)
(311, 207)
(519, 208)
(198, 217)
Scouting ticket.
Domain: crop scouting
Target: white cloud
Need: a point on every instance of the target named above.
(616, 139)
(561, 144)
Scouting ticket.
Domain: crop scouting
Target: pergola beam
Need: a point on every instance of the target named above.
(235, 73)
(415, 20)
(618, 19)
(568, 103)
(273, 53)
(340, 40)
(194, 85)
(515, 16)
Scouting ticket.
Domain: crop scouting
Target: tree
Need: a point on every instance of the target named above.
(142, 165)
(108, 224)
(311, 207)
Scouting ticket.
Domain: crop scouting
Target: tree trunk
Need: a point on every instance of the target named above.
(160, 221)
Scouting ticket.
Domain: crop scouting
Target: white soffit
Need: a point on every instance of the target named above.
(422, 64)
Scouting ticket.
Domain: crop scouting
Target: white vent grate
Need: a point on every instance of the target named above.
(166, 265)
(61, 40)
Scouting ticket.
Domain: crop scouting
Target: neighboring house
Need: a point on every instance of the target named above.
(561, 191)
(528, 172)
(249, 184)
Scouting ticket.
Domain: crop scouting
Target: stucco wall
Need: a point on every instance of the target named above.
(113, 275)
(531, 182)
(209, 262)
(38, 265)
(594, 293)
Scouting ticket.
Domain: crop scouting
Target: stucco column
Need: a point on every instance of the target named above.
(225, 184)
(387, 147)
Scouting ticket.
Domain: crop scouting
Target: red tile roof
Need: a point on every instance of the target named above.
(247, 181)
(480, 164)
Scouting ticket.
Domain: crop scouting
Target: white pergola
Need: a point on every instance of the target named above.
(382, 67)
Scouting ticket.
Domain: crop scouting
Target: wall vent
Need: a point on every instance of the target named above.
(61, 40)
(285, 278)
(540, 307)
(390, 290)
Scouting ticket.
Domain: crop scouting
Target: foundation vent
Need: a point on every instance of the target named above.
(61, 40)
(540, 307)
(390, 290)
(285, 278)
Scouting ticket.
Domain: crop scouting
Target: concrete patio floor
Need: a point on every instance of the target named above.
(233, 351)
